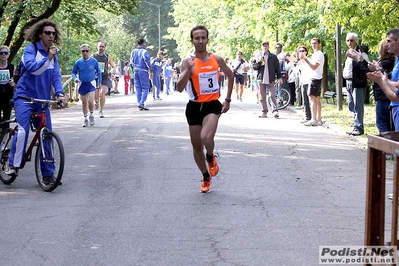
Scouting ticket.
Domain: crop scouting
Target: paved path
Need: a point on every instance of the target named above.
(131, 192)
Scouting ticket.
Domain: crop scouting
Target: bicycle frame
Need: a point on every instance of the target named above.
(39, 130)
(38, 133)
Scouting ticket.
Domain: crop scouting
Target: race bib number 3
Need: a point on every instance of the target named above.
(208, 82)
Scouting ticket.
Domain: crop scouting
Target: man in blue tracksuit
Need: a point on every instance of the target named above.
(167, 75)
(140, 62)
(41, 75)
(156, 65)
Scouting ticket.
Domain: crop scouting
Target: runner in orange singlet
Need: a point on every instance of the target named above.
(201, 77)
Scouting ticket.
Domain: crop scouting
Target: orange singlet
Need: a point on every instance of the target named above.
(204, 83)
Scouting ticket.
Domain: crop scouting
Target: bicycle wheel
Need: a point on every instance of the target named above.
(284, 100)
(50, 157)
(6, 142)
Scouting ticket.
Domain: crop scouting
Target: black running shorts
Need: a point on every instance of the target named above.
(196, 112)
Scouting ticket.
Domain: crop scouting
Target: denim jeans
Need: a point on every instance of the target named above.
(383, 118)
(356, 97)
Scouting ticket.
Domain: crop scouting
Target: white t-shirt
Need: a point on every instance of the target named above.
(317, 57)
(242, 67)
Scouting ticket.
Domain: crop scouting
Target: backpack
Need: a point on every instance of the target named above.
(20, 68)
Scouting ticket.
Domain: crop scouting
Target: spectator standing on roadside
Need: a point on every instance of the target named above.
(84, 72)
(390, 87)
(383, 118)
(316, 64)
(126, 77)
(6, 85)
(131, 73)
(167, 75)
(355, 74)
(305, 72)
(268, 69)
(140, 61)
(292, 72)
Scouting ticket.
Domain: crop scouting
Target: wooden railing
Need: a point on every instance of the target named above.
(72, 90)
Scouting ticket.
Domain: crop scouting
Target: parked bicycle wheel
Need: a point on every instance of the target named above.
(283, 101)
(49, 155)
(5, 142)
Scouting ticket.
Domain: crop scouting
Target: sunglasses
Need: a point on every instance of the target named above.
(85, 51)
(47, 32)
(302, 51)
(3, 53)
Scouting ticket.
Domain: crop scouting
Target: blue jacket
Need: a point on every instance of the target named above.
(140, 59)
(40, 75)
(156, 66)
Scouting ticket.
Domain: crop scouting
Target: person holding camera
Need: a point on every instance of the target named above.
(40, 79)
(268, 68)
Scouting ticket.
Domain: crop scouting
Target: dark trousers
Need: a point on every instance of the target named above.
(305, 99)
(291, 88)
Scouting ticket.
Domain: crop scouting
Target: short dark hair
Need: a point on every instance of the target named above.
(140, 41)
(316, 39)
(394, 32)
(199, 27)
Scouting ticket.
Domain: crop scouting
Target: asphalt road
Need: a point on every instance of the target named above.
(131, 192)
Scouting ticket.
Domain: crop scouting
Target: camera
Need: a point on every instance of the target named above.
(58, 50)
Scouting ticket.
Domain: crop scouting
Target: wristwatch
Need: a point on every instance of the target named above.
(61, 95)
(228, 100)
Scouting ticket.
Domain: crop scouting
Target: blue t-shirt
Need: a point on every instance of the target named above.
(395, 77)
(88, 70)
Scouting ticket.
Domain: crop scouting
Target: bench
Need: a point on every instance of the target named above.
(330, 95)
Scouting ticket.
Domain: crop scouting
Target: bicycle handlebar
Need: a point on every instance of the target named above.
(35, 100)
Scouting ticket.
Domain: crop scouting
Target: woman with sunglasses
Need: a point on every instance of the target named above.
(41, 77)
(6, 85)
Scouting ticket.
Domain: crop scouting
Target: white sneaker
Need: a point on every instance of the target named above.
(264, 115)
(85, 123)
(92, 123)
(9, 170)
(101, 114)
(276, 115)
(311, 123)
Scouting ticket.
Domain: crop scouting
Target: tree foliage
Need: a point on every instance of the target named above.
(243, 25)
(18, 15)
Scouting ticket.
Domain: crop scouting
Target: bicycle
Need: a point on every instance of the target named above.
(283, 100)
(49, 151)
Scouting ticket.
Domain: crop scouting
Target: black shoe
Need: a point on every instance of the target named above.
(145, 108)
(349, 132)
(356, 132)
(141, 108)
(49, 180)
